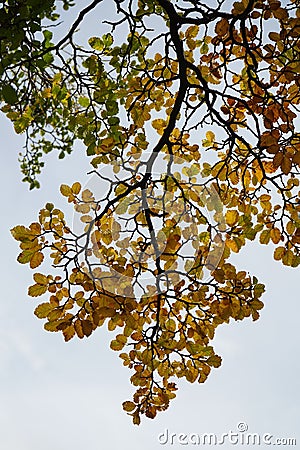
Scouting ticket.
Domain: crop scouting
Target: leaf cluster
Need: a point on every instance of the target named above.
(193, 137)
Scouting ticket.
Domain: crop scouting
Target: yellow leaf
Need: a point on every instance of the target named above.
(278, 253)
(40, 278)
(120, 188)
(136, 418)
(69, 332)
(191, 375)
(193, 348)
(35, 228)
(36, 290)
(231, 217)
(51, 326)
(121, 338)
(36, 260)
(128, 406)
(265, 198)
(76, 187)
(192, 31)
(159, 125)
(264, 238)
(288, 258)
(275, 235)
(55, 314)
(20, 233)
(233, 244)
(106, 145)
(214, 361)
(205, 371)
(43, 310)
(116, 345)
(65, 190)
(290, 227)
(210, 136)
(78, 329)
(256, 304)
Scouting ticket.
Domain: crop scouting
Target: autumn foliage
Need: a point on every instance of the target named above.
(192, 131)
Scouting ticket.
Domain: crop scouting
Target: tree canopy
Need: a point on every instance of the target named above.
(189, 114)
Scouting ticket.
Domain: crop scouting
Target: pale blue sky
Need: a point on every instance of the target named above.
(68, 395)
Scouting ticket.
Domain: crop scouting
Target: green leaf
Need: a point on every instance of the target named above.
(107, 39)
(9, 94)
(194, 348)
(204, 49)
(48, 58)
(96, 43)
(259, 289)
(47, 35)
(25, 256)
(84, 102)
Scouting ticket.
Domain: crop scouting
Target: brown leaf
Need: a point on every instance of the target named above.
(222, 27)
(286, 165)
(87, 327)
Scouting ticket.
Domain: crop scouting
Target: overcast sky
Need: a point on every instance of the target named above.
(57, 395)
